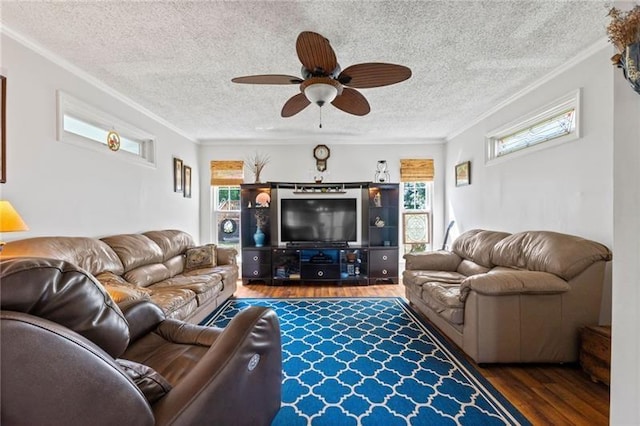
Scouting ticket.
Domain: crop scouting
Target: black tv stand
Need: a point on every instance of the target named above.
(372, 259)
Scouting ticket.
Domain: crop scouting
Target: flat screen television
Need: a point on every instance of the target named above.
(318, 220)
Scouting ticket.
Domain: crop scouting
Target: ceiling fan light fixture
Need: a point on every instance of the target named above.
(321, 90)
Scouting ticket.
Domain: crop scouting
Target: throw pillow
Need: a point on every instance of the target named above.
(201, 257)
(148, 380)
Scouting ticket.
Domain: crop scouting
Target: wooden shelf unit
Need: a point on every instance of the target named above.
(375, 259)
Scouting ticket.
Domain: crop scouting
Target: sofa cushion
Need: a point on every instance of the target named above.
(502, 281)
(176, 303)
(134, 250)
(120, 290)
(445, 300)
(200, 257)
(420, 277)
(195, 283)
(469, 267)
(175, 265)
(90, 254)
(440, 260)
(148, 380)
(146, 275)
(560, 254)
(172, 242)
(477, 245)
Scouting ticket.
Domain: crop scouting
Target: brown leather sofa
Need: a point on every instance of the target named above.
(511, 297)
(150, 266)
(71, 356)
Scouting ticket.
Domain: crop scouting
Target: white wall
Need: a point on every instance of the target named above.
(625, 368)
(294, 162)
(62, 189)
(568, 188)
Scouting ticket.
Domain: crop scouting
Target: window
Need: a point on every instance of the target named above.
(226, 215)
(416, 211)
(416, 176)
(83, 125)
(226, 177)
(549, 126)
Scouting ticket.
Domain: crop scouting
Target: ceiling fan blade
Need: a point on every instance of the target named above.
(268, 79)
(294, 105)
(351, 101)
(315, 53)
(373, 74)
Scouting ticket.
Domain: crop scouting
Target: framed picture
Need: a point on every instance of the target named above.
(177, 175)
(187, 182)
(417, 228)
(3, 130)
(463, 173)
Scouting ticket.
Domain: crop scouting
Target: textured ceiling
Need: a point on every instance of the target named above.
(177, 58)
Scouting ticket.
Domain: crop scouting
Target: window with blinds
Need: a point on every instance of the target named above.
(417, 176)
(416, 170)
(226, 177)
(229, 172)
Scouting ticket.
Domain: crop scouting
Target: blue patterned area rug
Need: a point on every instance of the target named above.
(372, 361)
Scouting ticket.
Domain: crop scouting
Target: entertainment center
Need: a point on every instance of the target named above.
(343, 233)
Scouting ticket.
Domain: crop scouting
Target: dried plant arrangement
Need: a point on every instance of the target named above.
(624, 34)
(256, 163)
(262, 219)
(624, 28)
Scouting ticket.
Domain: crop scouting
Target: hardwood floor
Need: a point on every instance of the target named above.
(545, 394)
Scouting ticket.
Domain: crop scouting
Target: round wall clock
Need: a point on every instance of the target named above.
(321, 153)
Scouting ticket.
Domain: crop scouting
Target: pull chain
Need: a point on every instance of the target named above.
(320, 117)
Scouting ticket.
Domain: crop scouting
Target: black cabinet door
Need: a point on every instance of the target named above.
(256, 265)
(383, 265)
(314, 271)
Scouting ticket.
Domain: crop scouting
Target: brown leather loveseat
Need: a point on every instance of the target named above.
(71, 356)
(165, 267)
(511, 297)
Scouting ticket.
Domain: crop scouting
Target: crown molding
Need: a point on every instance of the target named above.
(589, 51)
(313, 139)
(78, 72)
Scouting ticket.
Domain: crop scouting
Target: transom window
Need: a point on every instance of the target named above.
(557, 122)
(84, 125)
(96, 133)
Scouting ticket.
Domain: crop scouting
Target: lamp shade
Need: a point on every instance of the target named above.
(321, 90)
(10, 220)
(320, 93)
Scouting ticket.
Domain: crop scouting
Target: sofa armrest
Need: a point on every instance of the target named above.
(238, 381)
(143, 317)
(188, 334)
(226, 256)
(440, 260)
(505, 281)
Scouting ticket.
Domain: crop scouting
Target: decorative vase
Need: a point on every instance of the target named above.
(258, 237)
(629, 61)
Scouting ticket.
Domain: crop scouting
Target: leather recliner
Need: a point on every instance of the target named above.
(70, 355)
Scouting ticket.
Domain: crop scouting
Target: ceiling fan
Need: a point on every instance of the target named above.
(324, 81)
